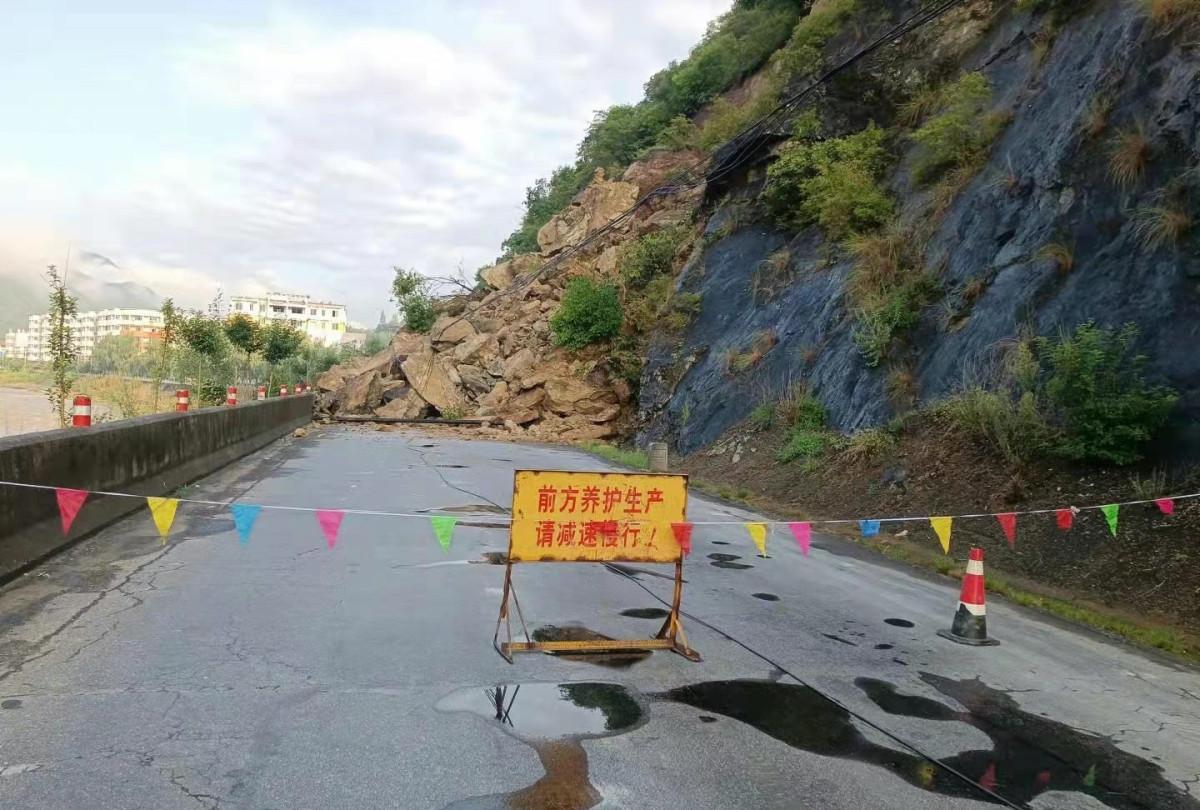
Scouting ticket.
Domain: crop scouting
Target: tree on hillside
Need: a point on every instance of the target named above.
(205, 337)
(63, 308)
(410, 291)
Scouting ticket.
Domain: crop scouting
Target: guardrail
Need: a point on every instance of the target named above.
(149, 455)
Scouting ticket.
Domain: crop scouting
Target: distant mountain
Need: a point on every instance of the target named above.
(26, 294)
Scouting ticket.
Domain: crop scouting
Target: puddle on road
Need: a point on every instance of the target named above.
(720, 542)
(899, 622)
(646, 613)
(10, 704)
(1030, 754)
(612, 660)
(883, 646)
(552, 719)
(727, 561)
(766, 597)
(451, 466)
(494, 558)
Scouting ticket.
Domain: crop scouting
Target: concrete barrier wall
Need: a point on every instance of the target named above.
(149, 455)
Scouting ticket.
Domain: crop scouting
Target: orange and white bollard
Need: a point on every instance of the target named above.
(81, 415)
(283, 390)
(306, 388)
(231, 396)
(182, 400)
(296, 389)
(970, 620)
(262, 393)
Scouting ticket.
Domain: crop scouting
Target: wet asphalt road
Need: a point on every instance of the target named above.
(283, 675)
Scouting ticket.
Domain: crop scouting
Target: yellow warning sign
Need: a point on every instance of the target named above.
(596, 517)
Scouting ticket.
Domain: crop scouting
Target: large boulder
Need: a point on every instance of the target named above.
(392, 389)
(408, 405)
(360, 394)
(519, 365)
(451, 329)
(471, 347)
(474, 380)
(660, 167)
(493, 400)
(593, 208)
(434, 381)
(502, 274)
(336, 376)
(570, 396)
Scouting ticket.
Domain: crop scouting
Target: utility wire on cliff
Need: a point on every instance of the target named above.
(744, 151)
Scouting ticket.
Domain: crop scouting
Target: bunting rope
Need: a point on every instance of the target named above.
(1160, 502)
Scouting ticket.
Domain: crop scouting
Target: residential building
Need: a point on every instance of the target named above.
(323, 322)
(16, 345)
(89, 328)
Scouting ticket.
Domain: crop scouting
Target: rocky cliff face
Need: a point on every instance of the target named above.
(1039, 238)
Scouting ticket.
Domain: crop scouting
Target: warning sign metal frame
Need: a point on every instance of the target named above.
(669, 637)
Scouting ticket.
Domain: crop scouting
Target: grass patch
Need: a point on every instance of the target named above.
(650, 256)
(737, 361)
(772, 276)
(1060, 254)
(17, 377)
(618, 455)
(763, 416)
(1170, 12)
(1159, 225)
(1095, 120)
(961, 132)
(1128, 153)
(887, 290)
(834, 183)
(870, 444)
(807, 437)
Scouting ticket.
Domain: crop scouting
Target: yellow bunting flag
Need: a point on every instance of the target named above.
(758, 533)
(163, 512)
(941, 527)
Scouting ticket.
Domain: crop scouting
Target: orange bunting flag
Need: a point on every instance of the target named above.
(941, 527)
(163, 512)
(1008, 522)
(70, 501)
(758, 533)
(683, 536)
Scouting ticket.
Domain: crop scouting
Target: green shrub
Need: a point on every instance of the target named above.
(832, 183)
(803, 53)
(589, 313)
(961, 131)
(410, 290)
(1097, 392)
(1013, 426)
(807, 437)
(887, 290)
(649, 256)
(763, 416)
(804, 444)
(658, 307)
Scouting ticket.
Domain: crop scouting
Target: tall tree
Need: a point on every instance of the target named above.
(63, 352)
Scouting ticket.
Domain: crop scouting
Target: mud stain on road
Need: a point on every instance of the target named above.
(613, 660)
(646, 613)
(727, 561)
(1030, 754)
(899, 622)
(552, 719)
(883, 646)
(766, 597)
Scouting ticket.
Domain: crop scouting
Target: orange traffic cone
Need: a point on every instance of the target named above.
(970, 621)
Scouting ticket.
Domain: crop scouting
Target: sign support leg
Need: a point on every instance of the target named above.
(672, 629)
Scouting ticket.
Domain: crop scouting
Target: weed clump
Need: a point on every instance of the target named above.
(961, 132)
(590, 313)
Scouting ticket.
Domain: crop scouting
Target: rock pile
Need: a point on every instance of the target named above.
(491, 355)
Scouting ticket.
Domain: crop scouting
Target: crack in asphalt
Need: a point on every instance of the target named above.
(409, 444)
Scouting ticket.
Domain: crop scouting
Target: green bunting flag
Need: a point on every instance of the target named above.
(443, 529)
(1110, 514)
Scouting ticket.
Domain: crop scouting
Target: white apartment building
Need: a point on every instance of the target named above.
(16, 344)
(322, 321)
(88, 328)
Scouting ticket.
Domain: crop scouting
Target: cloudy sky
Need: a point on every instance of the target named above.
(301, 146)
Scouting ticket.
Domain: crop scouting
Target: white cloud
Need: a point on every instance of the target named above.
(377, 146)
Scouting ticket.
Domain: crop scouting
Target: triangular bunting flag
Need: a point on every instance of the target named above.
(803, 534)
(70, 501)
(1165, 505)
(758, 533)
(1065, 517)
(683, 536)
(163, 512)
(331, 523)
(988, 780)
(244, 515)
(869, 528)
(1008, 522)
(942, 527)
(443, 529)
(1110, 514)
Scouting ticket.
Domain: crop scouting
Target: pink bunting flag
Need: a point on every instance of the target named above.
(1008, 522)
(988, 780)
(1165, 505)
(70, 501)
(683, 536)
(331, 523)
(1065, 518)
(803, 534)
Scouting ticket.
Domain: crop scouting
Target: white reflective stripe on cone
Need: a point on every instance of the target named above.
(975, 567)
(974, 610)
